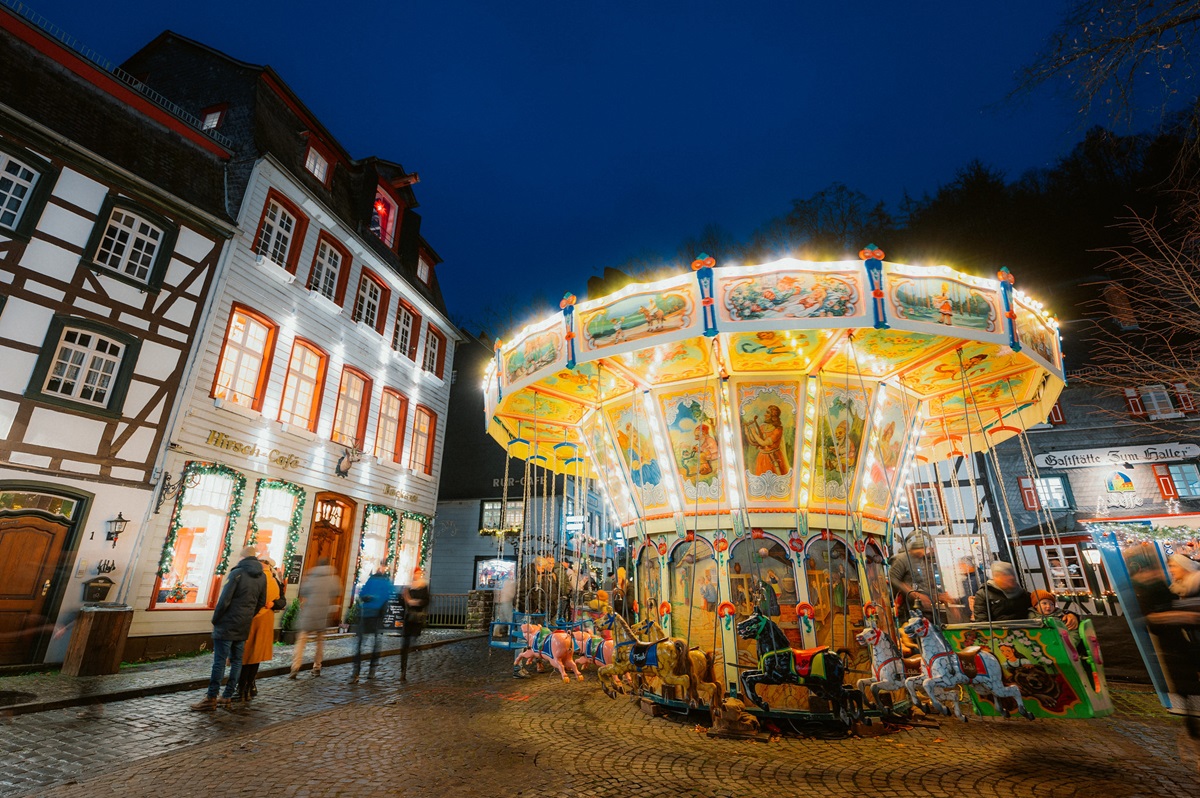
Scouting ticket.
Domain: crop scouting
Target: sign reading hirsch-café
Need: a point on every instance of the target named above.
(1118, 455)
(221, 440)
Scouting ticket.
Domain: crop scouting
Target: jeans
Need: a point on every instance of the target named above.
(368, 626)
(223, 650)
(298, 652)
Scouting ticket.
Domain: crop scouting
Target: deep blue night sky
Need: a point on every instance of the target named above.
(555, 138)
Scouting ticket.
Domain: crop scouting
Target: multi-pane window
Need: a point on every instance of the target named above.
(368, 301)
(390, 434)
(1186, 478)
(16, 183)
(84, 367)
(241, 372)
(1052, 493)
(927, 501)
(275, 236)
(514, 514)
(433, 343)
(302, 388)
(374, 549)
(404, 336)
(421, 458)
(351, 407)
(423, 271)
(129, 245)
(316, 164)
(1065, 569)
(326, 267)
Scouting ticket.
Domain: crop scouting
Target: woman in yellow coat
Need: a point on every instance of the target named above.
(261, 642)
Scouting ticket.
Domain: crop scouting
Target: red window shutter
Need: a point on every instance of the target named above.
(1056, 414)
(441, 358)
(1166, 485)
(1134, 403)
(1183, 398)
(414, 337)
(1029, 494)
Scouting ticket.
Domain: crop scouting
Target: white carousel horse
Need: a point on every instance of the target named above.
(945, 670)
(887, 666)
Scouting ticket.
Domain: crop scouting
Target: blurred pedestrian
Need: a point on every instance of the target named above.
(260, 645)
(416, 603)
(1001, 598)
(373, 598)
(319, 590)
(244, 594)
(1176, 629)
(913, 579)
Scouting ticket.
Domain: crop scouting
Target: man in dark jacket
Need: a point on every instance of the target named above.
(373, 598)
(912, 576)
(1002, 598)
(244, 594)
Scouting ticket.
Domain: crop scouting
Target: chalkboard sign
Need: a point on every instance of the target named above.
(393, 613)
(293, 569)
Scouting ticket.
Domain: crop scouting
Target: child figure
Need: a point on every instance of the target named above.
(1045, 606)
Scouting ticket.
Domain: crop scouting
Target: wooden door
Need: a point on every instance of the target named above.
(331, 539)
(29, 552)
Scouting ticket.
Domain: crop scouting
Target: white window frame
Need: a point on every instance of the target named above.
(275, 238)
(514, 514)
(317, 164)
(432, 347)
(327, 266)
(402, 337)
(1185, 487)
(1053, 492)
(386, 233)
(240, 359)
(86, 365)
(1156, 400)
(15, 188)
(1071, 577)
(366, 305)
(423, 271)
(129, 245)
(347, 403)
(388, 445)
(299, 376)
(212, 120)
(421, 441)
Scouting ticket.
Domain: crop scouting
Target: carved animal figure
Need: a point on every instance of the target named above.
(548, 645)
(706, 688)
(945, 669)
(731, 715)
(666, 659)
(819, 669)
(887, 666)
(591, 649)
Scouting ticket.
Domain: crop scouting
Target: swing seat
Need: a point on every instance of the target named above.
(507, 634)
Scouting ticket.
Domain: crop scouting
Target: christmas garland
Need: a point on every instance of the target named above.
(194, 470)
(425, 545)
(293, 532)
(1137, 533)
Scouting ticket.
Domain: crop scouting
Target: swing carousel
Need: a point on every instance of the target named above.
(755, 430)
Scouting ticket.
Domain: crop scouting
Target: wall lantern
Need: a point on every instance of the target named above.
(1092, 556)
(115, 527)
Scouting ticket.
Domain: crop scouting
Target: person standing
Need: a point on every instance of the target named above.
(416, 602)
(912, 576)
(318, 591)
(260, 645)
(708, 592)
(244, 594)
(373, 598)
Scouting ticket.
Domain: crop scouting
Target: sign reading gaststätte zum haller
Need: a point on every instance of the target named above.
(1118, 455)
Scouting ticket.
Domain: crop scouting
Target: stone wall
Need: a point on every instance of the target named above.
(479, 609)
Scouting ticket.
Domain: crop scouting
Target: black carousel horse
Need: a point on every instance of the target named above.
(820, 669)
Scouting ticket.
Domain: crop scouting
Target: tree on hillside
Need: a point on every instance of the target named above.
(837, 221)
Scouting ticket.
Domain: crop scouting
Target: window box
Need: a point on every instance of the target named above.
(236, 409)
(298, 431)
(276, 270)
(323, 302)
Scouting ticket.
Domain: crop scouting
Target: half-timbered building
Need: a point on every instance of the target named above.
(112, 225)
(315, 414)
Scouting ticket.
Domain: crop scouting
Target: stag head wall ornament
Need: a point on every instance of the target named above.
(349, 458)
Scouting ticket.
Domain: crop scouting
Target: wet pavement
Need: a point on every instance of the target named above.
(463, 727)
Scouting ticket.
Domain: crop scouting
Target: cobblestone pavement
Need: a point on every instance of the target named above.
(37, 692)
(463, 727)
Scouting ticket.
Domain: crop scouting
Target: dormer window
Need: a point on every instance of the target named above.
(211, 118)
(383, 217)
(423, 271)
(317, 164)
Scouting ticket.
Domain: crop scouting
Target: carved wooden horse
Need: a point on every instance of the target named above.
(818, 669)
(666, 659)
(944, 670)
(591, 649)
(706, 688)
(552, 645)
(887, 666)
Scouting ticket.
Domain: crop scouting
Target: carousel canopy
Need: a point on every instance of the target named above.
(787, 387)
